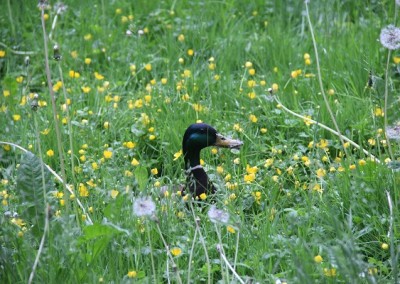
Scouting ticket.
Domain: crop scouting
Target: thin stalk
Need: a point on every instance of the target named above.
(17, 52)
(40, 250)
(201, 238)
(40, 155)
(320, 80)
(223, 257)
(71, 144)
(53, 104)
(220, 248)
(191, 255)
(53, 25)
(153, 267)
(236, 250)
(386, 104)
(46, 222)
(11, 19)
(174, 266)
(393, 255)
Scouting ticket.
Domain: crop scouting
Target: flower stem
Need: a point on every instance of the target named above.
(320, 80)
(56, 122)
(386, 105)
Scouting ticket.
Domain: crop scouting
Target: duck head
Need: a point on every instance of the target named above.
(197, 137)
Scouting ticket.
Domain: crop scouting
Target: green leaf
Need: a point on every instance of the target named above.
(141, 176)
(98, 230)
(97, 248)
(113, 209)
(33, 181)
(10, 84)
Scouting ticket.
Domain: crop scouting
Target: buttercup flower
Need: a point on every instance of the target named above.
(318, 259)
(176, 251)
(132, 274)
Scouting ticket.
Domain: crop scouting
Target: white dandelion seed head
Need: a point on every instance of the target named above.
(60, 7)
(144, 206)
(217, 215)
(398, 2)
(393, 132)
(390, 37)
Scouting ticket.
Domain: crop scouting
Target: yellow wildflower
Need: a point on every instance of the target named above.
(107, 154)
(132, 274)
(318, 259)
(330, 272)
(135, 162)
(85, 89)
(249, 178)
(177, 155)
(176, 251)
(253, 118)
(181, 37)
(114, 193)
(230, 229)
(83, 191)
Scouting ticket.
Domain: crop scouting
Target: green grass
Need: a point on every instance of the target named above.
(307, 199)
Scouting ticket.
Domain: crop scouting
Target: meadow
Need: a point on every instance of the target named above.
(95, 97)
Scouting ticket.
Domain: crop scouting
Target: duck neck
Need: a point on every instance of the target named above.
(192, 159)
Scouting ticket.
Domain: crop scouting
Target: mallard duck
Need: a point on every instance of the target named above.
(198, 136)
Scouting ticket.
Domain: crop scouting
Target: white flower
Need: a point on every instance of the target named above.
(390, 37)
(144, 206)
(60, 8)
(393, 132)
(218, 215)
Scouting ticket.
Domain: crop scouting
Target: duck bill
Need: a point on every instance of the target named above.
(225, 142)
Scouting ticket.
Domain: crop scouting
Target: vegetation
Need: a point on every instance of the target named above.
(95, 97)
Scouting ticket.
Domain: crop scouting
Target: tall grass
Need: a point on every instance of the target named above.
(304, 206)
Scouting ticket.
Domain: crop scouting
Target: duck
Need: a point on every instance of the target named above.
(197, 137)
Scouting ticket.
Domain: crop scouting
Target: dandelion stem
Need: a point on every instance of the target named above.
(320, 80)
(393, 254)
(153, 267)
(53, 104)
(46, 228)
(220, 250)
(169, 253)
(40, 155)
(236, 250)
(386, 104)
(71, 144)
(53, 25)
(46, 207)
(197, 220)
(191, 255)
